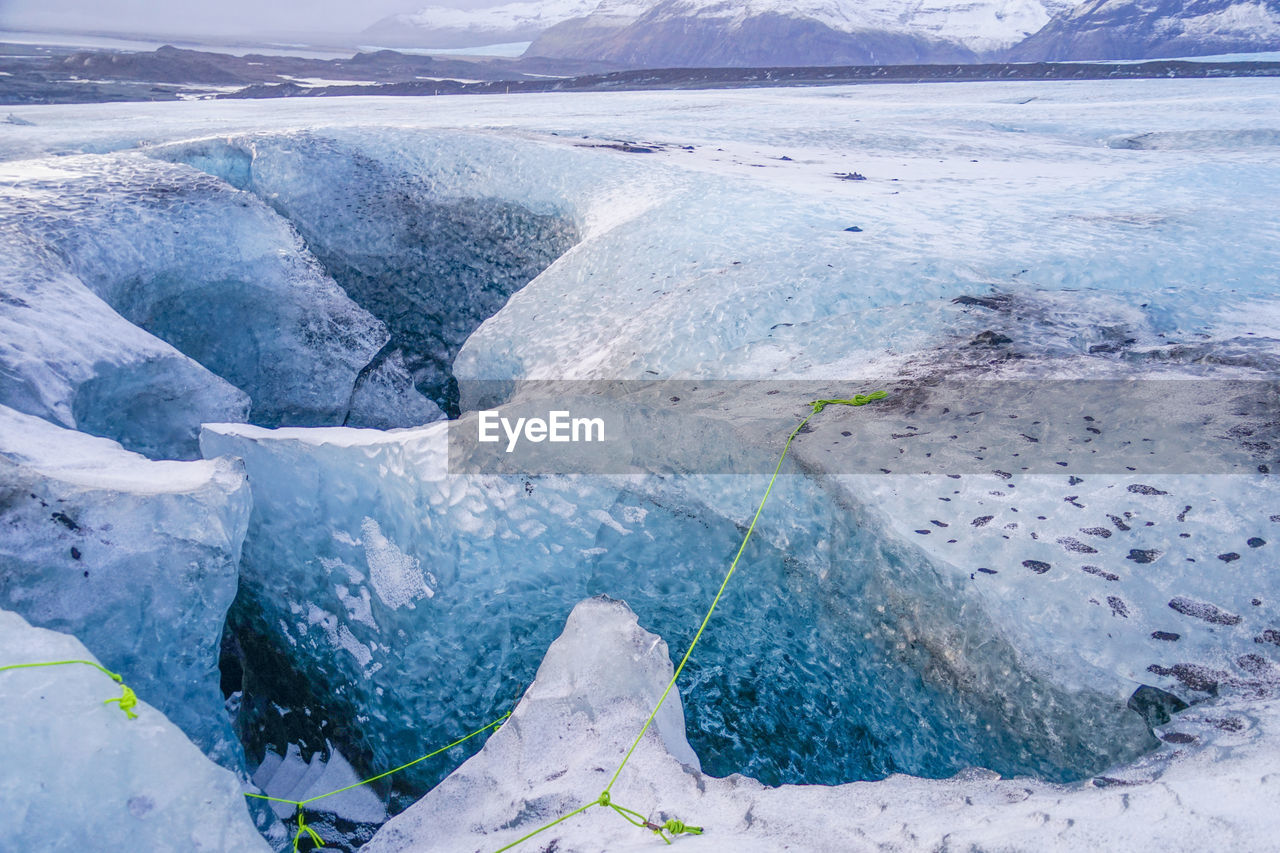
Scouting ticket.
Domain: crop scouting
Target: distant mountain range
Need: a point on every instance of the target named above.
(799, 32)
(1148, 29)
(703, 33)
(438, 26)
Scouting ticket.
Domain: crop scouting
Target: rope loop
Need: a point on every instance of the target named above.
(679, 827)
(302, 827)
(856, 400)
(128, 701)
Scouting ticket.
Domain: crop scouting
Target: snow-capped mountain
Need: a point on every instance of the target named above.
(803, 32)
(1144, 29)
(439, 26)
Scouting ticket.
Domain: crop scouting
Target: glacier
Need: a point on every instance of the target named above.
(1039, 623)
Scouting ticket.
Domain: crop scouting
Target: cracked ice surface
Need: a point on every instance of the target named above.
(76, 774)
(1200, 790)
(423, 233)
(137, 558)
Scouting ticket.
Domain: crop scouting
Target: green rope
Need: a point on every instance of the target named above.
(128, 699)
(301, 803)
(858, 400)
(302, 827)
(671, 827)
(817, 406)
(674, 828)
(579, 810)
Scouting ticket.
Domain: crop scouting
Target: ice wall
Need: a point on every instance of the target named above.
(431, 249)
(138, 559)
(208, 269)
(390, 606)
(76, 774)
(68, 357)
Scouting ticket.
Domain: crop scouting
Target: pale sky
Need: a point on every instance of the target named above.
(266, 18)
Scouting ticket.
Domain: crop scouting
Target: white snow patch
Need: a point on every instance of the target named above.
(396, 576)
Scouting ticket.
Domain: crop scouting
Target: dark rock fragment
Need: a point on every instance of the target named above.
(1202, 610)
(989, 338)
(1193, 676)
(1105, 575)
(1076, 545)
(1271, 635)
(1154, 705)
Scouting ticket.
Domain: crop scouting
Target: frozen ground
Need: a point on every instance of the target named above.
(310, 265)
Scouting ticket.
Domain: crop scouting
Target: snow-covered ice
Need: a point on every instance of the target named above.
(77, 774)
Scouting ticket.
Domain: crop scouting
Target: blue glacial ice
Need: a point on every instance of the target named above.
(70, 359)
(207, 269)
(414, 576)
(428, 245)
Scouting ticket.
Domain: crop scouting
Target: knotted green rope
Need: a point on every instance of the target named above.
(128, 699)
(319, 842)
(857, 400)
(302, 827)
(675, 827)
(671, 828)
